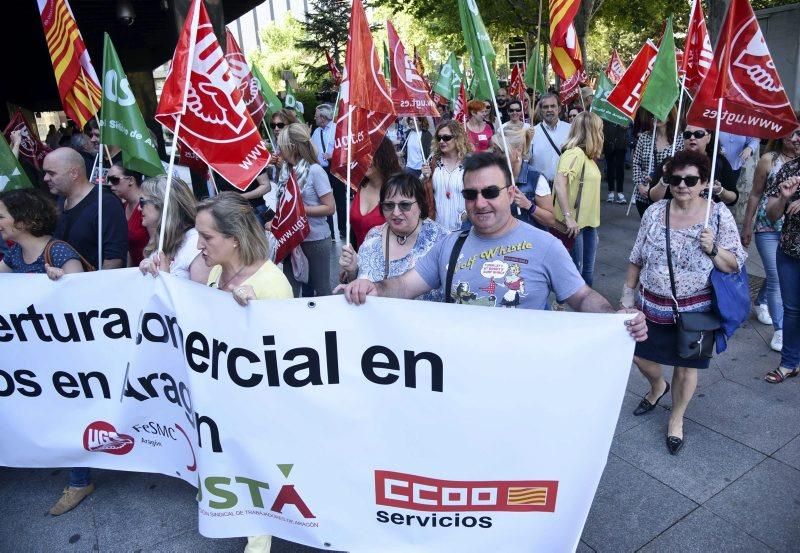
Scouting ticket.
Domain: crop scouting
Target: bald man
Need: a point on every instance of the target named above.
(65, 175)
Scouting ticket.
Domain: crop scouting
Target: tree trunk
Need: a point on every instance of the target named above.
(582, 21)
(716, 14)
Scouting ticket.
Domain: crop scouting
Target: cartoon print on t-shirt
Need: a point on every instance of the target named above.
(499, 273)
(516, 287)
(463, 295)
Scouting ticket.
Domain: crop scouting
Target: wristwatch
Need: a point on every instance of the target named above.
(532, 209)
(714, 251)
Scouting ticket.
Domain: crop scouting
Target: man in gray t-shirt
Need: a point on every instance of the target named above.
(503, 262)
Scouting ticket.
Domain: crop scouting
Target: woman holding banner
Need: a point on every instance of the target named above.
(444, 174)
(233, 244)
(670, 264)
(393, 248)
(577, 190)
(179, 255)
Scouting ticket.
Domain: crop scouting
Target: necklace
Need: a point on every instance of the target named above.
(447, 186)
(225, 284)
(401, 239)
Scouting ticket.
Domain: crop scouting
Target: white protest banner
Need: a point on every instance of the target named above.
(392, 426)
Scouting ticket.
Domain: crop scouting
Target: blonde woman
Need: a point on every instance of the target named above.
(532, 195)
(577, 189)
(300, 155)
(179, 254)
(445, 174)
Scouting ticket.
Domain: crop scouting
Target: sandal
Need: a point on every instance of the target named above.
(776, 376)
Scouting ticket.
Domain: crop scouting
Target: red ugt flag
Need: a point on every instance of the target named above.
(248, 86)
(215, 123)
(627, 95)
(516, 88)
(460, 112)
(335, 73)
(409, 91)
(31, 148)
(754, 100)
(615, 68)
(290, 225)
(698, 56)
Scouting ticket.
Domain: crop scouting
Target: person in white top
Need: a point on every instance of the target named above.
(323, 139)
(179, 254)
(418, 146)
(516, 120)
(550, 136)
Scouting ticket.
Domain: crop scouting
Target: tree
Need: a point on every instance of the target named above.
(325, 29)
(279, 52)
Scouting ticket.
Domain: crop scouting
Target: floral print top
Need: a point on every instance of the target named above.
(790, 233)
(762, 222)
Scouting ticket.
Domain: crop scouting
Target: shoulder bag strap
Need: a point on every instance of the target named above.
(48, 255)
(577, 207)
(451, 265)
(669, 263)
(386, 254)
(550, 140)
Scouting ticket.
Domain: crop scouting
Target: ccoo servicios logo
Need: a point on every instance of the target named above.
(449, 503)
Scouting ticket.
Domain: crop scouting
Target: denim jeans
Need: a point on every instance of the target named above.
(789, 278)
(767, 245)
(79, 477)
(584, 253)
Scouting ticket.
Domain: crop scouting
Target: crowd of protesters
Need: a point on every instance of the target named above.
(432, 199)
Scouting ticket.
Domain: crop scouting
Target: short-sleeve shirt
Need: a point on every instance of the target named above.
(186, 254)
(481, 140)
(268, 282)
(572, 163)
(316, 186)
(138, 237)
(78, 227)
(60, 253)
(518, 269)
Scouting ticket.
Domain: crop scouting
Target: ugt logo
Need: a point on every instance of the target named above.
(227, 493)
(101, 436)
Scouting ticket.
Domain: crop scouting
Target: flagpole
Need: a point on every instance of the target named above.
(650, 167)
(536, 66)
(269, 135)
(419, 138)
(99, 162)
(713, 163)
(678, 116)
(349, 169)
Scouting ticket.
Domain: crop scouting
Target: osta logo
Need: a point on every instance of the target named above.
(434, 496)
(101, 436)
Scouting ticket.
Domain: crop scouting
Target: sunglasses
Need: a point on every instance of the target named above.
(696, 134)
(510, 110)
(143, 202)
(405, 206)
(277, 125)
(690, 180)
(489, 193)
(444, 137)
(113, 180)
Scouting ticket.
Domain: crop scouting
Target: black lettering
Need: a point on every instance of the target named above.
(36, 319)
(332, 357)
(176, 337)
(87, 389)
(171, 389)
(233, 356)
(163, 335)
(448, 520)
(213, 432)
(16, 321)
(72, 332)
(397, 518)
(485, 522)
(410, 360)
(423, 521)
(121, 321)
(147, 384)
(469, 522)
(290, 375)
(86, 323)
(63, 380)
(5, 327)
(369, 364)
(217, 347)
(271, 361)
(383, 516)
(187, 404)
(8, 389)
(191, 350)
(130, 391)
(24, 380)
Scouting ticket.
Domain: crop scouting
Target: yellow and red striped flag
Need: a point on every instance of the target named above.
(565, 51)
(77, 81)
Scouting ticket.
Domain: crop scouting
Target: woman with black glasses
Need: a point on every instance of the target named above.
(127, 186)
(672, 235)
(445, 174)
(393, 248)
(516, 119)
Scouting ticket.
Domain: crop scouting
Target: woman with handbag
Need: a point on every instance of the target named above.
(671, 264)
(577, 191)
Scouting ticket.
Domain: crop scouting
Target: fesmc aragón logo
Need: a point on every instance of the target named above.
(436, 496)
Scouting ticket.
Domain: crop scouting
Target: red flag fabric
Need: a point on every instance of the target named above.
(365, 96)
(615, 68)
(215, 123)
(460, 112)
(754, 100)
(191, 160)
(409, 92)
(335, 73)
(571, 87)
(627, 95)
(516, 87)
(31, 148)
(698, 56)
(290, 224)
(248, 85)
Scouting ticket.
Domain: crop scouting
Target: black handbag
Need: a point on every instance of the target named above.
(696, 331)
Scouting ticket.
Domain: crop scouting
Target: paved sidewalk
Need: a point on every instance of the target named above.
(734, 487)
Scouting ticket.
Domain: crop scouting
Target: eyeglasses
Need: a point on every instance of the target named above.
(489, 193)
(144, 201)
(690, 180)
(113, 180)
(275, 125)
(510, 110)
(444, 137)
(697, 134)
(405, 206)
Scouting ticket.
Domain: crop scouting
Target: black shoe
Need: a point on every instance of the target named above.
(674, 444)
(645, 406)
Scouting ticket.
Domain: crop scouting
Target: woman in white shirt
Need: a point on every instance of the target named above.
(445, 173)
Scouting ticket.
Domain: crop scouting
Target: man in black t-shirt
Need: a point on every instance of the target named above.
(65, 175)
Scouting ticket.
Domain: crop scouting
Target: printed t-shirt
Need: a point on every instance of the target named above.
(60, 253)
(518, 269)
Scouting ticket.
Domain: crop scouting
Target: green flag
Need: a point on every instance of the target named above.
(450, 77)
(272, 100)
(12, 176)
(121, 123)
(387, 72)
(662, 87)
(600, 105)
(290, 101)
(533, 73)
(481, 52)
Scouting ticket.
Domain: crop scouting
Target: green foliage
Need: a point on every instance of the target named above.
(279, 52)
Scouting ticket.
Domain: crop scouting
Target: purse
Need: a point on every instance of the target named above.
(559, 229)
(696, 331)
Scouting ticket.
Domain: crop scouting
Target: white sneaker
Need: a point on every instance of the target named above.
(610, 197)
(777, 340)
(621, 198)
(762, 314)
